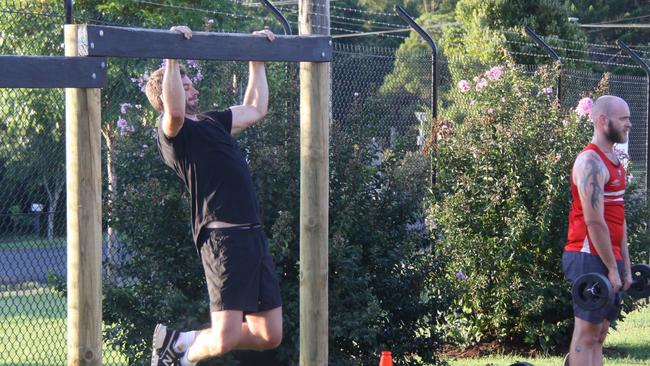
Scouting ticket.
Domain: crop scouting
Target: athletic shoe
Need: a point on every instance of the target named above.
(163, 347)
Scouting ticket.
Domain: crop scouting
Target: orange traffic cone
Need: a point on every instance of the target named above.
(386, 359)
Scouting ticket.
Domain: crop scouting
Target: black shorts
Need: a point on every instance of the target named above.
(239, 270)
(575, 264)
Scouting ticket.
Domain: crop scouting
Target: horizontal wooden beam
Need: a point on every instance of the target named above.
(109, 41)
(52, 72)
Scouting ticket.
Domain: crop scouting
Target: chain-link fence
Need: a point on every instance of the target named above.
(381, 104)
(577, 84)
(32, 196)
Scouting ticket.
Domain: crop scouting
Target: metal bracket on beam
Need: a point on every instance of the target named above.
(69, 19)
(278, 16)
(52, 72)
(434, 80)
(153, 43)
(551, 52)
(434, 56)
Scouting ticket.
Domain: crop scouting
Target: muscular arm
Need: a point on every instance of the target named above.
(173, 98)
(256, 99)
(590, 175)
(627, 264)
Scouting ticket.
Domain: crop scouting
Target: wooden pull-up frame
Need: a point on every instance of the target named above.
(153, 43)
(83, 72)
(52, 72)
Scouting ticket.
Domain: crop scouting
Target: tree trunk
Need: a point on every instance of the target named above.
(112, 188)
(53, 196)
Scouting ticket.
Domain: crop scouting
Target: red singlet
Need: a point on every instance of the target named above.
(578, 238)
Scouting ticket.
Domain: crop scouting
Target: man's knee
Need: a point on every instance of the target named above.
(273, 339)
(587, 340)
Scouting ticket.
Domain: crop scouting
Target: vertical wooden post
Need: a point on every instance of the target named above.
(83, 175)
(314, 191)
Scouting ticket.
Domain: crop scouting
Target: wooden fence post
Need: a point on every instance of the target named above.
(84, 226)
(314, 191)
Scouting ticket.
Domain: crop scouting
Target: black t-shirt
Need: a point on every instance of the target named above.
(208, 160)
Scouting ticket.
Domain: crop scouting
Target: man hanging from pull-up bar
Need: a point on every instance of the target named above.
(239, 270)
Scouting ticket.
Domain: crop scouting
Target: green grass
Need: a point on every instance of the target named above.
(30, 241)
(33, 330)
(627, 346)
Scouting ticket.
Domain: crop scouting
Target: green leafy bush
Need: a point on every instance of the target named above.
(501, 209)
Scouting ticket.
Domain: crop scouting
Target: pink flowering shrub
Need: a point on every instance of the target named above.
(584, 107)
(464, 86)
(501, 206)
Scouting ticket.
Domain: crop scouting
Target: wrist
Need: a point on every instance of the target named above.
(612, 267)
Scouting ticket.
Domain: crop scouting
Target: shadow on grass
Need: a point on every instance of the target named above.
(636, 352)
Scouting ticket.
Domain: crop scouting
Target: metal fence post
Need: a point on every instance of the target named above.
(278, 15)
(551, 52)
(68, 12)
(644, 65)
(434, 81)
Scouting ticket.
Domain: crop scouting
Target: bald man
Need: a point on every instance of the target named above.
(597, 239)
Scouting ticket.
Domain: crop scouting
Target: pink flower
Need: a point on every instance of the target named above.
(124, 126)
(547, 90)
(481, 84)
(461, 276)
(494, 73)
(464, 86)
(490, 110)
(584, 107)
(124, 107)
(198, 77)
(622, 156)
(193, 64)
(210, 21)
(141, 81)
(122, 123)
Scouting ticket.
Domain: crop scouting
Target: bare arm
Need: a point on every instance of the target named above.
(173, 92)
(627, 264)
(173, 97)
(256, 99)
(590, 175)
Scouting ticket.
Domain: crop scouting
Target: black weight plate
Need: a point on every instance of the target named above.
(592, 291)
(641, 281)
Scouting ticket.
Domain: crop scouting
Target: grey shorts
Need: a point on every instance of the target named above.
(575, 264)
(239, 270)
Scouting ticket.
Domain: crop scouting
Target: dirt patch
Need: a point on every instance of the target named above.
(494, 348)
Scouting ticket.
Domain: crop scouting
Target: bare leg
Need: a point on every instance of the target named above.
(598, 355)
(222, 337)
(261, 331)
(584, 344)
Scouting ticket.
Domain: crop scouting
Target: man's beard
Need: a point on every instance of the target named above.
(613, 135)
(191, 109)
